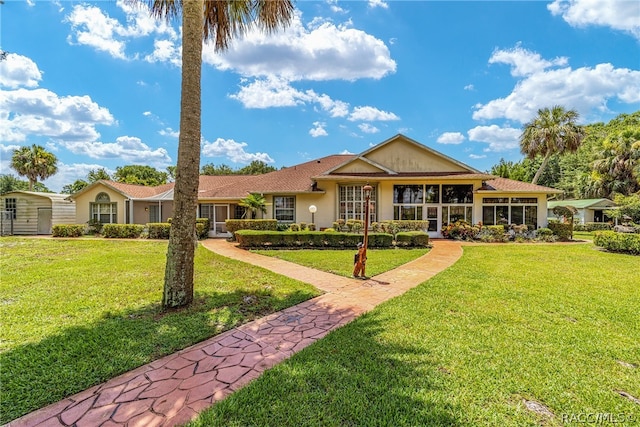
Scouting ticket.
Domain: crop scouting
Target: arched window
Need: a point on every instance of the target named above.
(103, 198)
(103, 210)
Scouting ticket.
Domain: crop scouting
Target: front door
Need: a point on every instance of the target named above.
(221, 215)
(44, 220)
(432, 214)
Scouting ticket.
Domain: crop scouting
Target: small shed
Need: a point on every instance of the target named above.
(589, 210)
(30, 212)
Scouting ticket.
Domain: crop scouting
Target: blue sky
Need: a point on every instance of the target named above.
(98, 83)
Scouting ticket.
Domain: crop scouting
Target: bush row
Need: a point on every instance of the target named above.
(593, 226)
(618, 242)
(158, 230)
(68, 230)
(462, 230)
(234, 225)
(319, 239)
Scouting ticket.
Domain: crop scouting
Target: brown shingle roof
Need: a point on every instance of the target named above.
(136, 191)
(505, 184)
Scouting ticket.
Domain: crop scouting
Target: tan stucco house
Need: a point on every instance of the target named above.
(410, 182)
(31, 212)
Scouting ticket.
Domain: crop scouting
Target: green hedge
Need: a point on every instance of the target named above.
(412, 239)
(122, 231)
(395, 226)
(202, 227)
(234, 225)
(68, 230)
(562, 230)
(618, 242)
(159, 230)
(308, 239)
(593, 226)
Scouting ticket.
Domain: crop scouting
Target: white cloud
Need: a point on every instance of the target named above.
(169, 132)
(524, 62)
(345, 151)
(584, 89)
(165, 51)
(469, 87)
(318, 129)
(127, 148)
(498, 138)
(621, 15)
(235, 151)
(19, 71)
(6, 152)
(322, 52)
(333, 5)
(41, 112)
(367, 128)
(69, 173)
(92, 27)
(370, 114)
(378, 3)
(451, 138)
(477, 156)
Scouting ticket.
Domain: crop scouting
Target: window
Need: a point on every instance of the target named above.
(457, 194)
(407, 194)
(407, 213)
(452, 214)
(517, 210)
(351, 202)
(103, 210)
(10, 205)
(432, 194)
(284, 208)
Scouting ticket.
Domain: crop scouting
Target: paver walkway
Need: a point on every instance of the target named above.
(173, 390)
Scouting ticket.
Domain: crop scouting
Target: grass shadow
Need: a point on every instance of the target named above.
(36, 374)
(355, 376)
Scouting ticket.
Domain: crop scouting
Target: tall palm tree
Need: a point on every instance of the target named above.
(553, 131)
(34, 162)
(202, 20)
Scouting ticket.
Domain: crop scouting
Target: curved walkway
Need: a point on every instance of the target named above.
(174, 389)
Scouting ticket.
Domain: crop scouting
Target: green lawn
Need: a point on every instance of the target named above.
(341, 261)
(555, 324)
(75, 313)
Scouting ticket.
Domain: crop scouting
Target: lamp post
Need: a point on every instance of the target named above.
(367, 198)
(313, 209)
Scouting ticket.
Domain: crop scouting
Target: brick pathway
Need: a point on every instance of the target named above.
(173, 390)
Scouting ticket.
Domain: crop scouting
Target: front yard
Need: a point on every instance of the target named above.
(75, 313)
(507, 326)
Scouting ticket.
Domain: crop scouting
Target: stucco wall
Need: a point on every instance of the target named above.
(84, 199)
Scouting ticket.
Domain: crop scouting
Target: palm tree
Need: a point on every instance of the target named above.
(34, 162)
(253, 203)
(202, 20)
(553, 131)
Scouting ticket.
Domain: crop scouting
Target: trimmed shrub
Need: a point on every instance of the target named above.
(544, 235)
(308, 239)
(68, 230)
(122, 231)
(412, 239)
(593, 226)
(159, 230)
(562, 230)
(492, 234)
(202, 227)
(234, 225)
(618, 242)
(461, 230)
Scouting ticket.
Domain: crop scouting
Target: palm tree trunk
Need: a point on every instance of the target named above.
(178, 280)
(545, 161)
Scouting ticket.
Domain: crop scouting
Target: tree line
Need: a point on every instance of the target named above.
(36, 163)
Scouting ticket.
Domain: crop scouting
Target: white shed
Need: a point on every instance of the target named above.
(30, 212)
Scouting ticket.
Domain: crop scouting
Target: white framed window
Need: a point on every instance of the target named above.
(351, 203)
(11, 205)
(103, 209)
(284, 208)
(514, 210)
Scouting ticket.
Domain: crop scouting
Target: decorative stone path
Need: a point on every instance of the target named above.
(173, 390)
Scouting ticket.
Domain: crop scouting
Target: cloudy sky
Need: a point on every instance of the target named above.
(98, 83)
